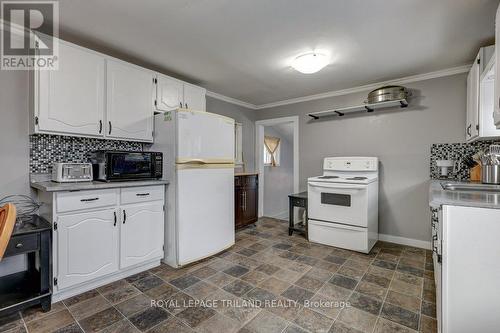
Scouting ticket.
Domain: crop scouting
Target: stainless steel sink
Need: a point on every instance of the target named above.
(473, 187)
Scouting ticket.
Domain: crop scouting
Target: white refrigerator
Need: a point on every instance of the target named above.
(198, 160)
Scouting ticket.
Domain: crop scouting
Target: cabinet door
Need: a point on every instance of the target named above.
(472, 129)
(129, 102)
(194, 97)
(250, 205)
(71, 99)
(141, 233)
(238, 207)
(87, 246)
(169, 93)
(496, 113)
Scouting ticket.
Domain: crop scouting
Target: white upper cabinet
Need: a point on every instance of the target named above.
(480, 97)
(87, 246)
(70, 100)
(194, 97)
(129, 92)
(169, 93)
(141, 233)
(496, 101)
(94, 95)
(172, 94)
(472, 125)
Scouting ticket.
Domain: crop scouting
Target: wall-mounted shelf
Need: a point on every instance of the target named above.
(402, 103)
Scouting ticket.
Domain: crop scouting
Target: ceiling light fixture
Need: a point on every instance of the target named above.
(309, 63)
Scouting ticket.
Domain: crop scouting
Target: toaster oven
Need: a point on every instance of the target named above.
(112, 165)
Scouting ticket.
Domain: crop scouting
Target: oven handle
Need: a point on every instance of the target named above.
(340, 186)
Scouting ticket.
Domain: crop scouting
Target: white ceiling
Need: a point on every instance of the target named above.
(242, 49)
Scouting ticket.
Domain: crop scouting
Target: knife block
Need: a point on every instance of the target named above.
(475, 173)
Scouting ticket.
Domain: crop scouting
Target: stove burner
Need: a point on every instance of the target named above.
(327, 177)
(357, 178)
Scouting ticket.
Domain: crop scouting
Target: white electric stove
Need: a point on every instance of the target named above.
(343, 203)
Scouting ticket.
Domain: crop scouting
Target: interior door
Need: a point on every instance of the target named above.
(87, 246)
(205, 212)
(194, 97)
(204, 136)
(141, 233)
(71, 99)
(129, 102)
(169, 93)
(338, 203)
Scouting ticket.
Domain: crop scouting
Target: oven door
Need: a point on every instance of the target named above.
(338, 203)
(129, 166)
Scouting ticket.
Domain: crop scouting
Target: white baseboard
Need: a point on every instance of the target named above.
(59, 295)
(280, 216)
(405, 241)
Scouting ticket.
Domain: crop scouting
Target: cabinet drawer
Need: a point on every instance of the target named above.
(22, 244)
(299, 202)
(246, 181)
(142, 194)
(68, 201)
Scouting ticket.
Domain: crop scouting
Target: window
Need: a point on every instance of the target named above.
(271, 144)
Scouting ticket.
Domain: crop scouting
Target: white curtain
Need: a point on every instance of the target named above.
(271, 143)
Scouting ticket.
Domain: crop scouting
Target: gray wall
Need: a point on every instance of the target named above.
(401, 138)
(278, 181)
(14, 146)
(14, 128)
(241, 115)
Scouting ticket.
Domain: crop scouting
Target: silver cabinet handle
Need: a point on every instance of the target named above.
(180, 103)
(100, 126)
(110, 128)
(186, 105)
(142, 194)
(124, 216)
(114, 224)
(245, 201)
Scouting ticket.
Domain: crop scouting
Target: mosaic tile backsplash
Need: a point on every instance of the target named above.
(47, 149)
(456, 151)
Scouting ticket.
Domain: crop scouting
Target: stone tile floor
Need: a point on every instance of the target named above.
(269, 282)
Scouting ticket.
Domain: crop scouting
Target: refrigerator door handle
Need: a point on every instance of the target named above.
(195, 161)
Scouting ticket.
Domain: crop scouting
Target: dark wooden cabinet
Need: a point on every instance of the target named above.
(246, 201)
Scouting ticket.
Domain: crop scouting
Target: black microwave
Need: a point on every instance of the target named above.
(114, 165)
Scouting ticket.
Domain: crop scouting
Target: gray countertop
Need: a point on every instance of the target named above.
(50, 186)
(438, 196)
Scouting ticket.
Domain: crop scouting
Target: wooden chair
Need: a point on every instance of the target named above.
(7, 222)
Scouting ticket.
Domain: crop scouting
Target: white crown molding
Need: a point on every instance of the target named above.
(231, 100)
(403, 80)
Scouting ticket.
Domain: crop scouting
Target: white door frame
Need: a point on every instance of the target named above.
(259, 160)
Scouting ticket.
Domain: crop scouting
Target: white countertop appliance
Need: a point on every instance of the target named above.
(63, 172)
(198, 160)
(343, 203)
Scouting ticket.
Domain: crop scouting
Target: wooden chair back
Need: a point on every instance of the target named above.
(7, 222)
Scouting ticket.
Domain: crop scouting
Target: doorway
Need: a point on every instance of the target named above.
(277, 161)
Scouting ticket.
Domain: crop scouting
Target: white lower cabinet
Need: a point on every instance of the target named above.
(87, 246)
(141, 233)
(467, 271)
(119, 234)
